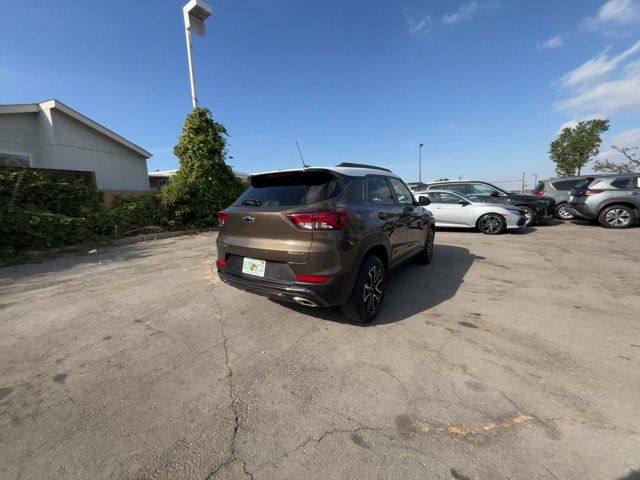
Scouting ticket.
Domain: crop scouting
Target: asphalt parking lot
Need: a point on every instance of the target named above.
(509, 357)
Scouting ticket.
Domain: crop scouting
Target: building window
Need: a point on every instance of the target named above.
(162, 183)
(14, 160)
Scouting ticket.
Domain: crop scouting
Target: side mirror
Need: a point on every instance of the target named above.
(464, 203)
(495, 194)
(424, 201)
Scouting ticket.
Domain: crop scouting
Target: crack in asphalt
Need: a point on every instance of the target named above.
(232, 398)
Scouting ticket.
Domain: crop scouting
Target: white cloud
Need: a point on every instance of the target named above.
(570, 123)
(616, 12)
(597, 67)
(604, 84)
(419, 27)
(553, 42)
(465, 11)
(607, 97)
(629, 138)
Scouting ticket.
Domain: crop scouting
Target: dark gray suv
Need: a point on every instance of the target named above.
(323, 236)
(614, 201)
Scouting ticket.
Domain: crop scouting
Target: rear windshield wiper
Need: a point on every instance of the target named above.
(252, 202)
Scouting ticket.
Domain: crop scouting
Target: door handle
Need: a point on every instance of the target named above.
(382, 216)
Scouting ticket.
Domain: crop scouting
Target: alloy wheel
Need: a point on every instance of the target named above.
(491, 224)
(564, 214)
(618, 217)
(373, 289)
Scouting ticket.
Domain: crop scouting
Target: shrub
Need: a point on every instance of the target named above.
(204, 183)
(128, 216)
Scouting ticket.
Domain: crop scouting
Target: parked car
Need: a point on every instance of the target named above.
(537, 209)
(452, 209)
(324, 236)
(559, 188)
(614, 200)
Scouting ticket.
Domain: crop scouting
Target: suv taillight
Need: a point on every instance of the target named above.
(540, 193)
(320, 219)
(593, 191)
(222, 218)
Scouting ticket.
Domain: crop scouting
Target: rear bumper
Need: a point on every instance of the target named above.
(581, 210)
(328, 294)
(545, 214)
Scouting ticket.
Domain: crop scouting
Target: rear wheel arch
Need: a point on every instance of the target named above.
(379, 251)
(624, 203)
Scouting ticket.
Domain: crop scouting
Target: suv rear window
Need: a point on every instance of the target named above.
(288, 189)
(566, 184)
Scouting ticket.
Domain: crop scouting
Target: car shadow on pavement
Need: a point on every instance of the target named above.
(634, 475)
(413, 288)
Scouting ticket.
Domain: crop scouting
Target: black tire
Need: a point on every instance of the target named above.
(426, 255)
(362, 309)
(530, 215)
(492, 224)
(616, 216)
(562, 213)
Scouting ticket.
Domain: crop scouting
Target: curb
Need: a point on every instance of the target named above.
(148, 237)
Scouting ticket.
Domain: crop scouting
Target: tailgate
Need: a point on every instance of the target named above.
(265, 235)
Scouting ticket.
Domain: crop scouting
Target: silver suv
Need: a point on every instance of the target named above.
(614, 200)
(559, 188)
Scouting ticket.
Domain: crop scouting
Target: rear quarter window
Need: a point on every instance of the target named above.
(289, 189)
(623, 183)
(566, 185)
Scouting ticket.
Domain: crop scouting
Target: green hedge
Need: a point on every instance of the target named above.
(43, 210)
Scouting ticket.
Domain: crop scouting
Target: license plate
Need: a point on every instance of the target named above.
(251, 266)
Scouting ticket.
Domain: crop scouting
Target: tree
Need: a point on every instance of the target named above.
(632, 166)
(576, 146)
(204, 184)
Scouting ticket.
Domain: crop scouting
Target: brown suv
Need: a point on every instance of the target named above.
(323, 236)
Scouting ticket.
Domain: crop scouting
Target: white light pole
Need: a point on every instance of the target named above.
(195, 13)
(420, 164)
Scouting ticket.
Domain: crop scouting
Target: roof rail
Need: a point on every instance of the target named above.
(362, 165)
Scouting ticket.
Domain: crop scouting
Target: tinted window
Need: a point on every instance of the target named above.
(539, 188)
(622, 183)
(402, 193)
(566, 184)
(442, 197)
(288, 189)
(456, 187)
(482, 189)
(378, 191)
(583, 184)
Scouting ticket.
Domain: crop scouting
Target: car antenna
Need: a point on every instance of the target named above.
(303, 164)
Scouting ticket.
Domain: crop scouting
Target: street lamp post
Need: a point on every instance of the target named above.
(195, 13)
(420, 164)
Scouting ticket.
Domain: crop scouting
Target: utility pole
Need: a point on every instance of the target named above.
(420, 163)
(535, 179)
(522, 182)
(195, 13)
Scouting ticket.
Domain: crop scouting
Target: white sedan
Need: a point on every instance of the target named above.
(453, 209)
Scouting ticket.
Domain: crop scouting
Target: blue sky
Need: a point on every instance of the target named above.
(484, 84)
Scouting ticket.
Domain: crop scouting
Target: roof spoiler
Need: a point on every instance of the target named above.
(362, 165)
